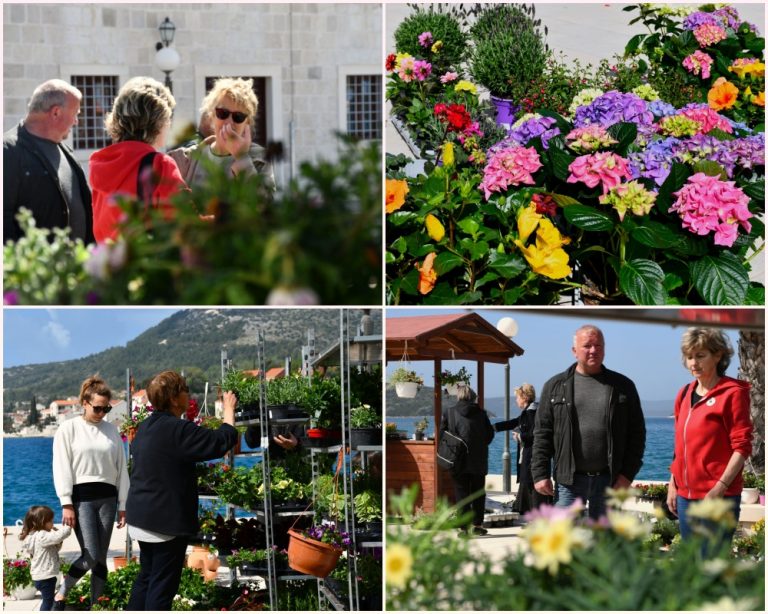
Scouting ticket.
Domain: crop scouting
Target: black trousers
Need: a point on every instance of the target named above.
(468, 484)
(528, 498)
(160, 575)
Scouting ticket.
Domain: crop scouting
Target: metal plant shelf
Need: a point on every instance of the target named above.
(332, 598)
(280, 421)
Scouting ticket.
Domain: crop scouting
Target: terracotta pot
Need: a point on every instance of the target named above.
(310, 556)
(204, 561)
(121, 561)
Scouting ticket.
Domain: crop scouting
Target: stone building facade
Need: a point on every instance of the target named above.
(318, 66)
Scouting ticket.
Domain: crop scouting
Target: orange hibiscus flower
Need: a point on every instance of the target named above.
(396, 191)
(427, 274)
(723, 95)
(759, 100)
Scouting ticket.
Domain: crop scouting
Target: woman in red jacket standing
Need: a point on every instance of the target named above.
(132, 167)
(713, 431)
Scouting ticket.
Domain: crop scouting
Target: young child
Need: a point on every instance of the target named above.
(43, 543)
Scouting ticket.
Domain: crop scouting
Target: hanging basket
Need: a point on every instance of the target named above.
(310, 556)
(407, 390)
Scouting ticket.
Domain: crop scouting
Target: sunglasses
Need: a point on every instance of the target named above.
(101, 409)
(237, 116)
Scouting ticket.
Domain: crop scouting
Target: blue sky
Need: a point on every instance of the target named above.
(647, 353)
(32, 336)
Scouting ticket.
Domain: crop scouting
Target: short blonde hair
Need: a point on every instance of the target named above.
(140, 112)
(527, 392)
(711, 339)
(239, 90)
(465, 393)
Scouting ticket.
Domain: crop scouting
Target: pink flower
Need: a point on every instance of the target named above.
(552, 512)
(449, 76)
(510, 166)
(406, 69)
(707, 204)
(708, 118)
(604, 167)
(421, 69)
(698, 63)
(425, 39)
(709, 34)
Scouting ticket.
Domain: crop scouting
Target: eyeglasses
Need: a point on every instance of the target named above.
(101, 409)
(237, 116)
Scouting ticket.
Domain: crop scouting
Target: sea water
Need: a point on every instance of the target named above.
(28, 478)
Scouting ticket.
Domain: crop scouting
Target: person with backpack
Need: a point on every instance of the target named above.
(467, 421)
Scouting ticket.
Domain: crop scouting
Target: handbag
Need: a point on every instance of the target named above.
(452, 450)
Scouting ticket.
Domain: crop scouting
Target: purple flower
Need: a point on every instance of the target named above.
(700, 18)
(614, 107)
(655, 162)
(536, 126)
(659, 108)
(425, 39)
(11, 297)
(729, 17)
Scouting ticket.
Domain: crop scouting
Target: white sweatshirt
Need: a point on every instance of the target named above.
(43, 548)
(85, 452)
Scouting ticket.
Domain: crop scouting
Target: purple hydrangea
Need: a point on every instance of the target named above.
(700, 18)
(659, 108)
(729, 17)
(655, 161)
(748, 152)
(536, 126)
(614, 107)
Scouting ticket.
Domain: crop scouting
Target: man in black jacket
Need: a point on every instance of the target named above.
(40, 172)
(591, 423)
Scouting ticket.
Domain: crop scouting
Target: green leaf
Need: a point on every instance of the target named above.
(398, 218)
(672, 282)
(447, 261)
(476, 250)
(512, 296)
(563, 200)
(633, 44)
(469, 226)
(642, 282)
(755, 295)
(508, 265)
(720, 135)
(588, 218)
(755, 190)
(488, 277)
(676, 179)
(710, 168)
(410, 282)
(400, 244)
(442, 294)
(720, 280)
(390, 258)
(655, 234)
(560, 161)
(625, 133)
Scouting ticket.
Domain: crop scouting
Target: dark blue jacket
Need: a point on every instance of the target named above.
(470, 422)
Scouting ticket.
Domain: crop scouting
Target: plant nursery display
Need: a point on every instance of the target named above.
(639, 182)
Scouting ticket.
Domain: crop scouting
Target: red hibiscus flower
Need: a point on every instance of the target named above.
(390, 62)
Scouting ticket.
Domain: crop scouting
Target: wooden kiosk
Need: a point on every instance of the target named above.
(436, 338)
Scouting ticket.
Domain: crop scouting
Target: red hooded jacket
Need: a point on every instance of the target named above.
(113, 172)
(707, 434)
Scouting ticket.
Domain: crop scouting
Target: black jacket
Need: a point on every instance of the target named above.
(163, 492)
(29, 180)
(554, 428)
(525, 424)
(471, 423)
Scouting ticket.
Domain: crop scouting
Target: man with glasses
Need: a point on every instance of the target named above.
(91, 480)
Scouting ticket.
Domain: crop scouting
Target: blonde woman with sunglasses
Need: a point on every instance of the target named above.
(230, 108)
(91, 479)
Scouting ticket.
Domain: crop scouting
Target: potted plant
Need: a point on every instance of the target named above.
(247, 389)
(323, 400)
(508, 55)
(205, 560)
(253, 562)
(451, 381)
(315, 551)
(654, 493)
(420, 428)
(751, 490)
(392, 432)
(407, 383)
(368, 513)
(17, 579)
(139, 413)
(366, 426)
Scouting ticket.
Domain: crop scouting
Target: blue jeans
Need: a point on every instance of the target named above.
(93, 529)
(47, 589)
(714, 535)
(590, 489)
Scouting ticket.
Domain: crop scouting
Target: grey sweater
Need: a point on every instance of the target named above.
(43, 548)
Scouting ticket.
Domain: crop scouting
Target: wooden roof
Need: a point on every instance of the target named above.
(465, 336)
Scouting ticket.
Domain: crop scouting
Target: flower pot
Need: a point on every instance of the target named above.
(24, 593)
(204, 561)
(310, 556)
(122, 561)
(505, 110)
(452, 389)
(365, 437)
(247, 411)
(322, 438)
(406, 390)
(750, 495)
(419, 435)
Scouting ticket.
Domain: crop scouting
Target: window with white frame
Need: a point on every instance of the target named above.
(363, 105)
(99, 92)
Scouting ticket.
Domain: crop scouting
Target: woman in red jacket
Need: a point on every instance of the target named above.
(132, 167)
(713, 431)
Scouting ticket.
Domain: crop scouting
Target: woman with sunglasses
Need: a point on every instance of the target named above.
(91, 481)
(231, 108)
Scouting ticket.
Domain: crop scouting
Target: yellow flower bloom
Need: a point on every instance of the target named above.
(759, 100)
(448, 155)
(722, 95)
(755, 68)
(435, 229)
(437, 46)
(527, 221)
(627, 525)
(547, 236)
(546, 262)
(465, 86)
(549, 543)
(399, 564)
(396, 191)
(400, 57)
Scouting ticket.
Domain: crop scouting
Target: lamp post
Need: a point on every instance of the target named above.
(167, 58)
(508, 328)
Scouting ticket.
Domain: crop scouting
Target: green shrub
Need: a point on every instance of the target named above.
(443, 26)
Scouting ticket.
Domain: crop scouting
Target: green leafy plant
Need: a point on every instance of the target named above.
(364, 416)
(754, 480)
(286, 390)
(255, 557)
(655, 492)
(139, 413)
(401, 374)
(368, 506)
(16, 573)
(422, 425)
(461, 376)
(443, 26)
(323, 402)
(246, 387)
(750, 543)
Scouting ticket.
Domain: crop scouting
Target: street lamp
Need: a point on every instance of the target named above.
(508, 328)
(167, 58)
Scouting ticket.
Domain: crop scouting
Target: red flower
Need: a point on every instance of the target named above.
(458, 118)
(545, 204)
(193, 409)
(390, 62)
(440, 109)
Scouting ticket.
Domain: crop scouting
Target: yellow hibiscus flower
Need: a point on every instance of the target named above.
(435, 229)
(527, 221)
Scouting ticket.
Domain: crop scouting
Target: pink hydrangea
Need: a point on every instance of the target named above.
(706, 204)
(698, 63)
(604, 168)
(510, 166)
(449, 76)
(708, 118)
(709, 34)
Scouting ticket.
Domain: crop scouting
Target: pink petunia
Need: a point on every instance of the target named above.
(449, 76)
(604, 168)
